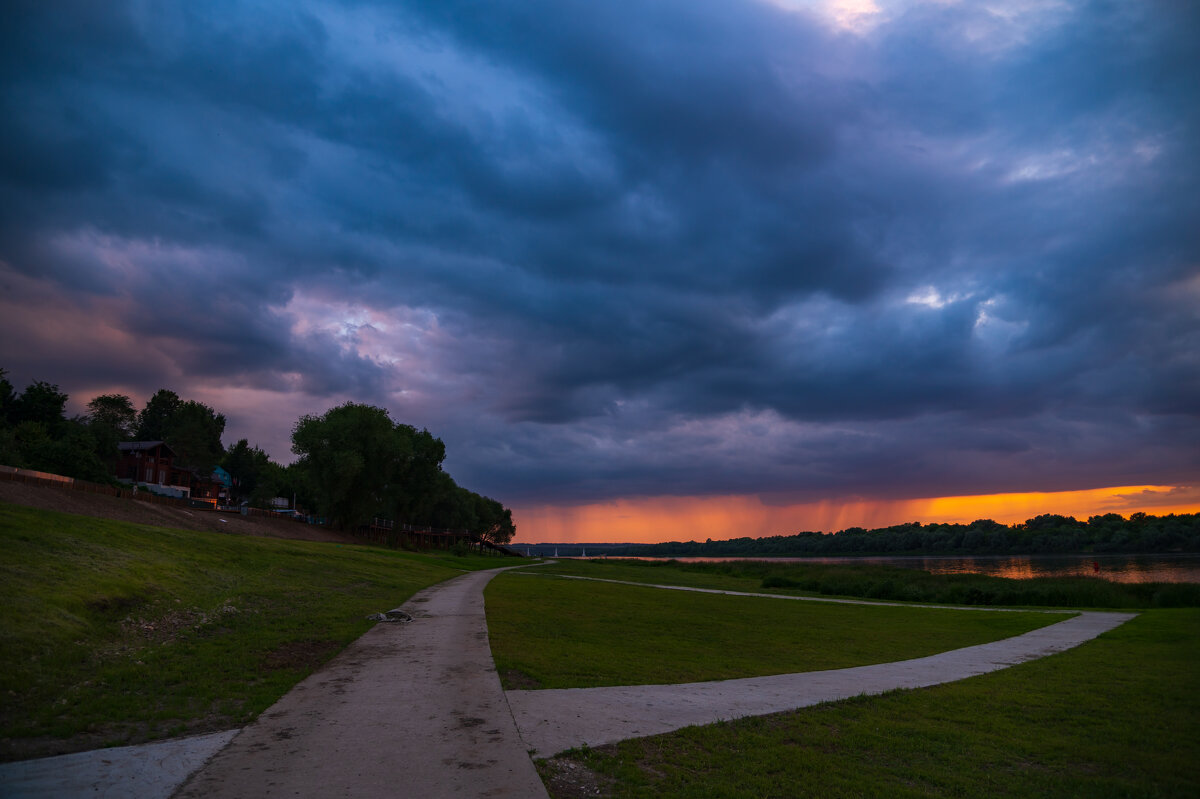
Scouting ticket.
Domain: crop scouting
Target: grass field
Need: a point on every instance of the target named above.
(117, 633)
(890, 583)
(1115, 717)
(549, 632)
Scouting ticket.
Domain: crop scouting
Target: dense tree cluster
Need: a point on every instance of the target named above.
(354, 463)
(192, 429)
(36, 434)
(1046, 534)
(256, 478)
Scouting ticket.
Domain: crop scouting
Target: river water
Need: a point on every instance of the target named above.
(1174, 568)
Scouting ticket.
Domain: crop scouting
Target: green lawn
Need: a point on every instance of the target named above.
(549, 632)
(112, 633)
(889, 583)
(1116, 717)
(657, 571)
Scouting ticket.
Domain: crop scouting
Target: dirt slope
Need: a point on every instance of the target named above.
(128, 510)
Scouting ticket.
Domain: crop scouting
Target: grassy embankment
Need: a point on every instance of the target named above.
(1117, 716)
(114, 633)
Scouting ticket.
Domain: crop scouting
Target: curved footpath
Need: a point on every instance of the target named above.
(410, 709)
(417, 710)
(557, 719)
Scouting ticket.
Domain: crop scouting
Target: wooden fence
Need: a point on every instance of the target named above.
(12, 475)
(408, 536)
(9, 474)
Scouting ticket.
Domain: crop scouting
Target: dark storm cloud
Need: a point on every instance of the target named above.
(603, 250)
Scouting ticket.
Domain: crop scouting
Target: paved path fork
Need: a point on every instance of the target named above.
(553, 720)
(407, 710)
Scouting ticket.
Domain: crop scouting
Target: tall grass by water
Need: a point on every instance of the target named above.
(893, 583)
(911, 585)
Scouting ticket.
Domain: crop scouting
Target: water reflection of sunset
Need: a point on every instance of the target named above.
(1158, 568)
(657, 519)
(1114, 568)
(1016, 570)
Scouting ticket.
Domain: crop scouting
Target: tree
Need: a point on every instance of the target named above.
(154, 419)
(293, 484)
(194, 431)
(256, 478)
(447, 505)
(419, 485)
(191, 428)
(114, 413)
(7, 397)
(12, 453)
(1052, 521)
(495, 520)
(69, 449)
(356, 463)
(35, 435)
(350, 459)
(40, 403)
(242, 466)
(271, 483)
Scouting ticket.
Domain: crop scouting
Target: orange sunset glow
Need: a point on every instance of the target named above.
(657, 519)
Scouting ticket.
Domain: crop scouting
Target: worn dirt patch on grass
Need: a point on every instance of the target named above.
(309, 654)
(517, 680)
(569, 779)
(163, 623)
(115, 604)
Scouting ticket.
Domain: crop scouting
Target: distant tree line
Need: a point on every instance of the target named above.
(1045, 534)
(354, 462)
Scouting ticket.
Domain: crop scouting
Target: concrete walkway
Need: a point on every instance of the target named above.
(408, 710)
(149, 771)
(553, 720)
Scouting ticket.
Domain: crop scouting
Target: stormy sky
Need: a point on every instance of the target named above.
(800, 252)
